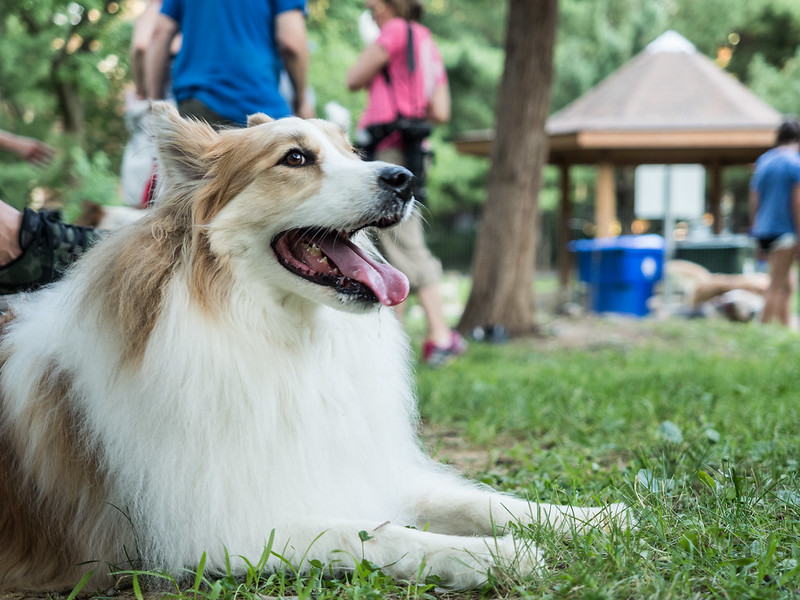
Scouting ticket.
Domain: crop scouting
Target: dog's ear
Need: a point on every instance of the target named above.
(258, 119)
(181, 144)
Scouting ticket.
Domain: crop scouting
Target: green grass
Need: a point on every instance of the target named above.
(695, 425)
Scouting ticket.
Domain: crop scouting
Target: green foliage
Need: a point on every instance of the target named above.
(62, 68)
(96, 181)
(770, 31)
(781, 85)
(456, 181)
(596, 38)
(333, 31)
(470, 35)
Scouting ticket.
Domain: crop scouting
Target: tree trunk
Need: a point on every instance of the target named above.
(70, 105)
(505, 254)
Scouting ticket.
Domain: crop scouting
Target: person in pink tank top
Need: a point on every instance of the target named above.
(408, 92)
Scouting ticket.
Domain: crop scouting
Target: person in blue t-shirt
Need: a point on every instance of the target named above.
(231, 57)
(775, 210)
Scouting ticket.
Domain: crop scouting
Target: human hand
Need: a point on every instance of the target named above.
(305, 110)
(34, 151)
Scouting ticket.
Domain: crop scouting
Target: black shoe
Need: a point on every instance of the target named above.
(49, 247)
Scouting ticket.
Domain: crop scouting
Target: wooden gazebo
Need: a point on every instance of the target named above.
(668, 105)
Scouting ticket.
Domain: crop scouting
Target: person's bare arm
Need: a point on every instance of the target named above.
(439, 106)
(157, 57)
(796, 212)
(292, 40)
(368, 64)
(142, 34)
(29, 149)
(753, 206)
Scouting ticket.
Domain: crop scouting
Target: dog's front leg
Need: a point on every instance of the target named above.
(453, 506)
(460, 562)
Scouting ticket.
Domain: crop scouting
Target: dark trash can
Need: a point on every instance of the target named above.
(620, 272)
(722, 253)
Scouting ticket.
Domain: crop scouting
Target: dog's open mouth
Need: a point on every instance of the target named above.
(329, 258)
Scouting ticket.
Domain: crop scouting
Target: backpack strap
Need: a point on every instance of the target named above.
(411, 61)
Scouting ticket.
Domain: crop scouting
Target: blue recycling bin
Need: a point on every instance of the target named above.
(620, 272)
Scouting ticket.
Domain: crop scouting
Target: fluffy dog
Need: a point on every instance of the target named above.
(222, 369)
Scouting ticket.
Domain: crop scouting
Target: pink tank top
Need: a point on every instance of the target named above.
(407, 93)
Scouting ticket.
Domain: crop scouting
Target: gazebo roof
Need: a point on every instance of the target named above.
(668, 104)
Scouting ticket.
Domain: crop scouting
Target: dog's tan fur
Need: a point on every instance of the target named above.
(701, 285)
(61, 490)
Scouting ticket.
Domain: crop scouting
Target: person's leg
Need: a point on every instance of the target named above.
(430, 298)
(404, 246)
(787, 317)
(777, 301)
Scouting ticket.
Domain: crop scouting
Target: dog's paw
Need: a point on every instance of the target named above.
(470, 567)
(517, 555)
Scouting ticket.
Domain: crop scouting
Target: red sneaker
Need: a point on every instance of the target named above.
(438, 356)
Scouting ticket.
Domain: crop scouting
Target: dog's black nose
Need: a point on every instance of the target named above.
(398, 180)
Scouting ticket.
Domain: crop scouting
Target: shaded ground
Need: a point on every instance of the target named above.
(449, 446)
(593, 331)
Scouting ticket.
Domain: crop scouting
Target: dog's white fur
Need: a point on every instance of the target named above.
(181, 392)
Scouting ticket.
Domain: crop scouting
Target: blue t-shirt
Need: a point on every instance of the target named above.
(229, 58)
(776, 173)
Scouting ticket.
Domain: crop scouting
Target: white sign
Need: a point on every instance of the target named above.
(687, 186)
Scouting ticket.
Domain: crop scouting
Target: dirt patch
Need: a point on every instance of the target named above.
(449, 446)
(594, 331)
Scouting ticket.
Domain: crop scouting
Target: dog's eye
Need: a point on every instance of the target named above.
(295, 158)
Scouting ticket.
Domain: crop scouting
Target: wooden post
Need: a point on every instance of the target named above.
(605, 208)
(715, 201)
(565, 216)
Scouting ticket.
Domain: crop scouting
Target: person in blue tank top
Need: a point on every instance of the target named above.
(231, 58)
(775, 213)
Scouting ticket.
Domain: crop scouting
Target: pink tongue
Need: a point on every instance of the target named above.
(387, 283)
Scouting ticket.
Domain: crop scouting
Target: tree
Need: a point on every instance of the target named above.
(503, 267)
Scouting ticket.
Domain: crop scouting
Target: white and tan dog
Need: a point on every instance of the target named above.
(221, 369)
